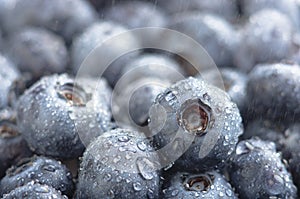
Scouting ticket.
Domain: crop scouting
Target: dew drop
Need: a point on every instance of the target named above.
(104, 159)
(175, 192)
(145, 167)
(137, 186)
(117, 159)
(142, 145)
(119, 179)
(123, 138)
(128, 157)
(228, 192)
(107, 177)
(122, 148)
(246, 147)
(41, 189)
(206, 97)
(111, 194)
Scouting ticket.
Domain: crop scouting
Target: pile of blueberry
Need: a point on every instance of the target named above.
(151, 125)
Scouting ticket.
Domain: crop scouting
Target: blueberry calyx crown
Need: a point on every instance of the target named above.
(8, 130)
(194, 116)
(73, 94)
(199, 183)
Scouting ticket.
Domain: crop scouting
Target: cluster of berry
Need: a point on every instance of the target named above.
(149, 123)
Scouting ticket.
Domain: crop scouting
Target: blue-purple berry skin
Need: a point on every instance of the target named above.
(91, 50)
(286, 7)
(226, 9)
(291, 151)
(8, 75)
(273, 92)
(59, 116)
(38, 51)
(136, 14)
(216, 35)
(35, 191)
(266, 130)
(119, 164)
(58, 16)
(257, 171)
(194, 110)
(152, 65)
(38, 169)
(265, 31)
(13, 146)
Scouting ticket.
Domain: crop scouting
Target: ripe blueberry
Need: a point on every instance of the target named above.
(38, 169)
(38, 51)
(35, 191)
(8, 75)
(12, 146)
(136, 14)
(59, 16)
(152, 66)
(265, 31)
(273, 92)
(198, 122)
(57, 115)
(119, 164)
(257, 171)
(291, 151)
(287, 7)
(89, 46)
(216, 35)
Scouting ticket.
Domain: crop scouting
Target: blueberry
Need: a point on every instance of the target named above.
(216, 35)
(196, 121)
(287, 7)
(265, 31)
(38, 51)
(34, 190)
(204, 185)
(291, 151)
(136, 14)
(132, 103)
(266, 130)
(273, 92)
(119, 164)
(8, 75)
(38, 169)
(12, 145)
(257, 171)
(235, 84)
(225, 8)
(59, 16)
(142, 80)
(152, 66)
(89, 46)
(58, 115)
